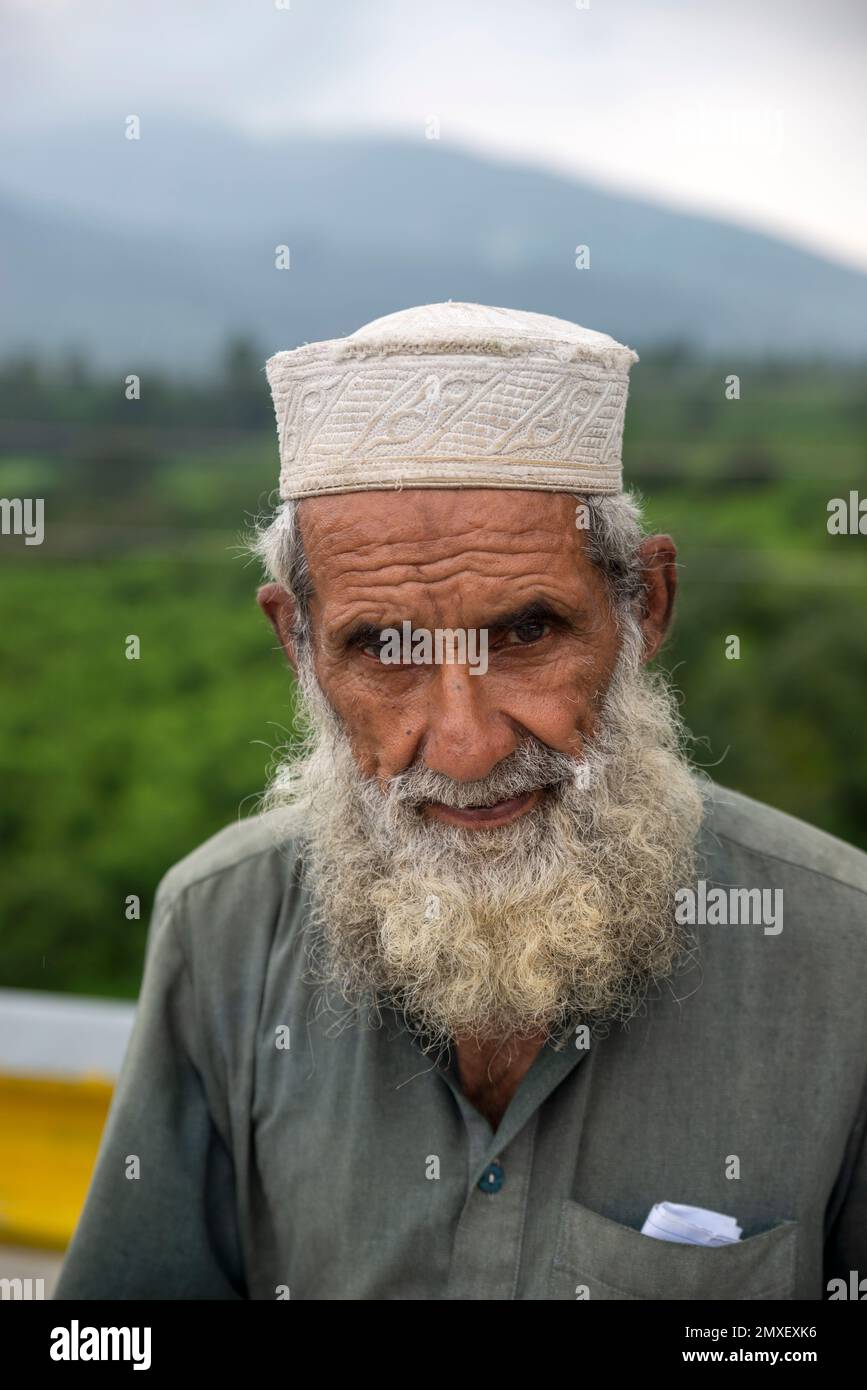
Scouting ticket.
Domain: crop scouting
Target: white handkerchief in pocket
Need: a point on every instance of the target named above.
(690, 1225)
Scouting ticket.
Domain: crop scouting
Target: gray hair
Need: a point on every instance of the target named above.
(614, 531)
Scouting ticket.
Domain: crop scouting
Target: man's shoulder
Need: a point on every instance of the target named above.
(251, 855)
(218, 913)
(760, 831)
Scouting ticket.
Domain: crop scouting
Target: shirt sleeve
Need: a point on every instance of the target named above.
(165, 1228)
(846, 1246)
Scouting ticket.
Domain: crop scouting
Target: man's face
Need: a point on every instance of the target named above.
(511, 563)
(493, 853)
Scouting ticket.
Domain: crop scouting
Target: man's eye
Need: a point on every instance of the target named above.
(528, 632)
(373, 649)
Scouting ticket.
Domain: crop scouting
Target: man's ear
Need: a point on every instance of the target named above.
(660, 579)
(279, 608)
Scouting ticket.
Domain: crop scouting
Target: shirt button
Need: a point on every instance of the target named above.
(492, 1178)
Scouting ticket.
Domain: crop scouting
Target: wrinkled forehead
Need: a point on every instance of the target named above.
(464, 555)
(422, 526)
(463, 548)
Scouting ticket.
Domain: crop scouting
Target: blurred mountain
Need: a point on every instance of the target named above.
(151, 252)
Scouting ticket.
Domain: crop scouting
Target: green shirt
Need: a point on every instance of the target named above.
(349, 1166)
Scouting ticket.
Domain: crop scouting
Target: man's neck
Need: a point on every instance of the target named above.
(490, 1073)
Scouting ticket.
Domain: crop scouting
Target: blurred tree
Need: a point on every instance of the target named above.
(752, 465)
(111, 468)
(245, 395)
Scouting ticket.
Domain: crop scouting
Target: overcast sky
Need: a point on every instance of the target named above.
(753, 109)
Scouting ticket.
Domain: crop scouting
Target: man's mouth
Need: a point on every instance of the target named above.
(482, 817)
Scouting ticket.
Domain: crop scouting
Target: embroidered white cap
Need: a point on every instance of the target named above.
(452, 395)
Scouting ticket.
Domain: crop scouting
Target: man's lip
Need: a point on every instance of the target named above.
(481, 816)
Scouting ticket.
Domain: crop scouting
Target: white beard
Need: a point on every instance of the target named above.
(566, 916)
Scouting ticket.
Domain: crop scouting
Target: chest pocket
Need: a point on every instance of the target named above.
(617, 1262)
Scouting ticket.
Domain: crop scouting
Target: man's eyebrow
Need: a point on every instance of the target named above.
(362, 634)
(539, 610)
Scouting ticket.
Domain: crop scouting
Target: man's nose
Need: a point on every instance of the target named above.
(466, 735)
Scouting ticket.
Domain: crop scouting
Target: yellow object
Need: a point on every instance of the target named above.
(49, 1135)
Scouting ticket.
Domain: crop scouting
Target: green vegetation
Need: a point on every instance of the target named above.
(112, 769)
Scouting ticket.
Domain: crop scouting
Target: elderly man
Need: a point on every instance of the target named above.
(496, 998)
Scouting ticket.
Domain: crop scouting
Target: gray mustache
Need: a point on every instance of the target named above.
(532, 766)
